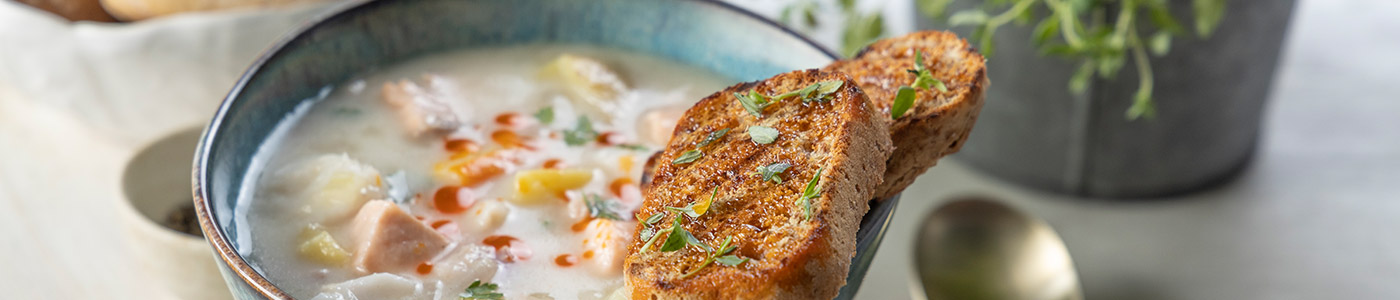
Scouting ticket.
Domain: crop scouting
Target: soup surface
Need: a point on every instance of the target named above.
(516, 167)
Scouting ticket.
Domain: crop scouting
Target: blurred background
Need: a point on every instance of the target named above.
(1245, 149)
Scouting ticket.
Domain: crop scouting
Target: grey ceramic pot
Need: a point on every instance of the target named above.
(1210, 97)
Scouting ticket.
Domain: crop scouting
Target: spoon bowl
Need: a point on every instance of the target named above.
(975, 248)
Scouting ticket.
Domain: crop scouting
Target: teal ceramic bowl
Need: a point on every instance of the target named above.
(363, 36)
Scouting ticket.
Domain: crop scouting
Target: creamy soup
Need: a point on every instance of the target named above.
(506, 170)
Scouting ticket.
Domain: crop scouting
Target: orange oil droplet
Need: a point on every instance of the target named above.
(446, 200)
(565, 260)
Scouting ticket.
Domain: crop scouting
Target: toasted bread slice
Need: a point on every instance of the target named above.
(792, 255)
(939, 122)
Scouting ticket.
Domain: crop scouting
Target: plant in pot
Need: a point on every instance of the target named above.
(1118, 98)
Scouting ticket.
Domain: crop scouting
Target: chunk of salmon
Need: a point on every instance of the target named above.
(657, 124)
(419, 110)
(605, 246)
(387, 239)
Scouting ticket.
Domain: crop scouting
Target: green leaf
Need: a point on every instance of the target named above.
(677, 239)
(1208, 15)
(1109, 65)
(646, 233)
(763, 134)
(1047, 29)
(714, 136)
(1079, 83)
(968, 17)
(691, 240)
(933, 8)
(809, 14)
(688, 157)
(688, 210)
(985, 41)
(545, 115)
(919, 67)
(773, 171)
(827, 87)
(600, 208)
(633, 147)
(903, 100)
(811, 192)
(1163, 19)
(582, 134)
(1142, 105)
(824, 89)
(861, 30)
(1160, 43)
(731, 260)
(481, 291)
(655, 218)
(753, 102)
(806, 92)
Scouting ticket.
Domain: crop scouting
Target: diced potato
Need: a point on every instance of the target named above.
(332, 186)
(467, 262)
(419, 110)
(322, 248)
(485, 217)
(545, 185)
(605, 241)
(588, 80)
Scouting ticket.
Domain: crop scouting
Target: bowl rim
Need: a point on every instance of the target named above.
(215, 235)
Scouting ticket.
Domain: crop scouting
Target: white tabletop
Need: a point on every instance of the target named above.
(1312, 218)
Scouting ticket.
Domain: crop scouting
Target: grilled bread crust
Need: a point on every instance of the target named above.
(791, 256)
(939, 122)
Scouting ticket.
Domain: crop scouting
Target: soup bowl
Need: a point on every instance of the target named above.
(361, 37)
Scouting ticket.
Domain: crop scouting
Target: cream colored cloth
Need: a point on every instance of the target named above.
(132, 82)
(75, 101)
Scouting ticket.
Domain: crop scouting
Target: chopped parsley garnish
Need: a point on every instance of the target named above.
(824, 89)
(694, 154)
(903, 100)
(633, 147)
(688, 157)
(676, 238)
(772, 172)
(582, 134)
(649, 226)
(545, 115)
(654, 219)
(753, 102)
(731, 260)
(811, 192)
(482, 291)
(802, 93)
(697, 208)
(923, 79)
(763, 134)
(714, 136)
(715, 256)
(679, 238)
(600, 208)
